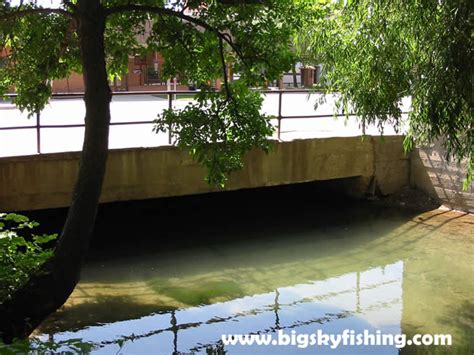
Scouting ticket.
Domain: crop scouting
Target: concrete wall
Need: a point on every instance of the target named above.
(46, 181)
(433, 174)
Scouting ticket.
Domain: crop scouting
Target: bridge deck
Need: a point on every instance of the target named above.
(46, 180)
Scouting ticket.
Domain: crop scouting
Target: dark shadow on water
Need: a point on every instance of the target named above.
(123, 228)
(128, 228)
(183, 222)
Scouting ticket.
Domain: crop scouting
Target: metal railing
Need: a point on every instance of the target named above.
(171, 97)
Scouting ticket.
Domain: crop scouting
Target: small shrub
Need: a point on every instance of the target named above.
(21, 251)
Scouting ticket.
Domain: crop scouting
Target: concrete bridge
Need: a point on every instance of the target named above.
(304, 151)
(46, 180)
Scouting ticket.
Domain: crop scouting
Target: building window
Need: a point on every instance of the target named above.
(153, 75)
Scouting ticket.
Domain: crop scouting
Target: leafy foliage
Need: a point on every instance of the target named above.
(219, 129)
(40, 53)
(199, 41)
(21, 251)
(312, 15)
(378, 52)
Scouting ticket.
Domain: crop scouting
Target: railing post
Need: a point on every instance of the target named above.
(38, 132)
(280, 95)
(170, 107)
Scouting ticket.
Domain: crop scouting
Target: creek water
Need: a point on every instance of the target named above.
(179, 280)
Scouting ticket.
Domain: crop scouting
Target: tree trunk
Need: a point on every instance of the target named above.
(293, 72)
(48, 289)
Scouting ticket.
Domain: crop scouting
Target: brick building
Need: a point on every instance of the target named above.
(144, 73)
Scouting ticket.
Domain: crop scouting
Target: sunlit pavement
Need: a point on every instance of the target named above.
(146, 107)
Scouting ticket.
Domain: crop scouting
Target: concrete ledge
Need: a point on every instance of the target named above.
(46, 181)
(443, 180)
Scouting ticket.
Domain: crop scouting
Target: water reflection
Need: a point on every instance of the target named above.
(394, 274)
(362, 300)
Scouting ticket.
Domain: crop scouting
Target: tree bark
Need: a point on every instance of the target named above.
(48, 289)
(293, 72)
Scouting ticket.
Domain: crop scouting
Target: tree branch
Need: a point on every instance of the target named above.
(169, 12)
(179, 38)
(224, 68)
(160, 11)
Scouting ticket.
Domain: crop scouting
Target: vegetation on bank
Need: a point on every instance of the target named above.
(376, 53)
(22, 251)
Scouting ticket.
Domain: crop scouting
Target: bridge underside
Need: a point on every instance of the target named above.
(46, 181)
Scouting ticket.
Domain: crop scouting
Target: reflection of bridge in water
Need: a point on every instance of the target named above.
(371, 300)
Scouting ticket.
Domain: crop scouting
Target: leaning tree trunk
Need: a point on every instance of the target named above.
(48, 289)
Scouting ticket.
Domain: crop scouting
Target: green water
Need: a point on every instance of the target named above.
(363, 267)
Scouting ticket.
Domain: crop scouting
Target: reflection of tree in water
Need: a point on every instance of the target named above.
(50, 346)
(276, 308)
(216, 350)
